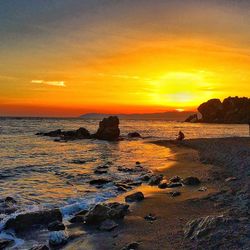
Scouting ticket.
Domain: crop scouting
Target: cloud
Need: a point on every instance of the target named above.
(51, 83)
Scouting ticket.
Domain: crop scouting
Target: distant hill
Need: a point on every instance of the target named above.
(167, 116)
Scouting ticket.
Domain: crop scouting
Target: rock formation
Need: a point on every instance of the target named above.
(231, 110)
(108, 129)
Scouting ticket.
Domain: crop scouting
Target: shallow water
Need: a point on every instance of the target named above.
(39, 172)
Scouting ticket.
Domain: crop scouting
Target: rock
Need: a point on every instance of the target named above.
(100, 171)
(211, 111)
(79, 161)
(134, 135)
(103, 167)
(138, 196)
(108, 129)
(175, 193)
(145, 177)
(199, 227)
(54, 133)
(9, 199)
(39, 247)
(77, 219)
(155, 180)
(125, 169)
(192, 118)
(175, 179)
(231, 110)
(102, 212)
(137, 163)
(150, 217)
(25, 221)
(202, 189)
(6, 243)
(108, 225)
(131, 246)
(229, 179)
(58, 238)
(56, 226)
(191, 181)
(80, 133)
(99, 181)
(174, 185)
(163, 185)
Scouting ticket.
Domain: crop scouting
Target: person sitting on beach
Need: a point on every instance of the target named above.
(181, 136)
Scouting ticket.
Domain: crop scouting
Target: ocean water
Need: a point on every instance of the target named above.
(40, 173)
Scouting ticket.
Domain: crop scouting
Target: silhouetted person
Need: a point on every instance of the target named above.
(181, 136)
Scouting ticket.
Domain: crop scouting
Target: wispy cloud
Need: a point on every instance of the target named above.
(51, 83)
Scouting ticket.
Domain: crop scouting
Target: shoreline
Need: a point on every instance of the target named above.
(172, 213)
(212, 215)
(224, 203)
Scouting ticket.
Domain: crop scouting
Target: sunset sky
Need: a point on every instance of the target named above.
(66, 58)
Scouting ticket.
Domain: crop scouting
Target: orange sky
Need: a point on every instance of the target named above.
(66, 59)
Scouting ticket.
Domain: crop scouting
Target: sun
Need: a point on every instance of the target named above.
(180, 110)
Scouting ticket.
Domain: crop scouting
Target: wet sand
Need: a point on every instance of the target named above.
(172, 213)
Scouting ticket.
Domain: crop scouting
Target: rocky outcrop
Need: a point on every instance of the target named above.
(231, 110)
(26, 221)
(108, 129)
(78, 134)
(192, 118)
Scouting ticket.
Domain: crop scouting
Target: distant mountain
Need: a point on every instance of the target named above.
(167, 116)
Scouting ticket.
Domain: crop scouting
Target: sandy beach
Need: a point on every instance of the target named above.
(221, 165)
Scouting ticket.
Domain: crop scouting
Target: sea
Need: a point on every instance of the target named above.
(40, 173)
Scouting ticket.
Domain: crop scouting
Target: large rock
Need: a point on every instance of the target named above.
(4, 243)
(192, 118)
(108, 129)
(212, 111)
(231, 110)
(26, 221)
(155, 180)
(102, 212)
(191, 181)
(138, 196)
(56, 226)
(202, 226)
(58, 238)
